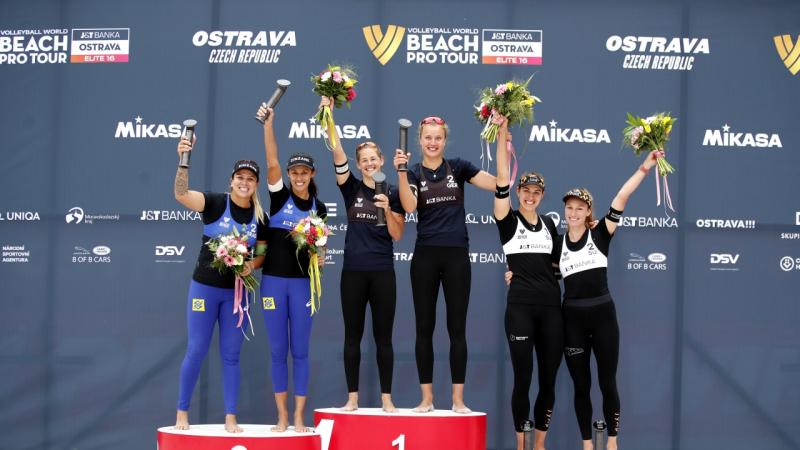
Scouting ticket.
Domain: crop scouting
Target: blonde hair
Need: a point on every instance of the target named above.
(443, 125)
(368, 144)
(257, 209)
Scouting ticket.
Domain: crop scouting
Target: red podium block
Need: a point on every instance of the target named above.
(254, 437)
(373, 429)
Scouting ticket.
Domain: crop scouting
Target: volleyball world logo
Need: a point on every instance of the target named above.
(383, 46)
(789, 52)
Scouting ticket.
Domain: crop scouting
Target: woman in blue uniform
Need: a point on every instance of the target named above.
(285, 289)
(435, 188)
(368, 272)
(533, 309)
(211, 294)
(590, 318)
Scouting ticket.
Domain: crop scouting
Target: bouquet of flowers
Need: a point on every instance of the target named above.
(645, 135)
(230, 254)
(336, 82)
(310, 234)
(511, 99)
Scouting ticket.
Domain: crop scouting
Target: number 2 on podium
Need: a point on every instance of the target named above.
(400, 442)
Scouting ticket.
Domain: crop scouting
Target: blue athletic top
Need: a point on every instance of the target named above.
(286, 210)
(220, 215)
(440, 202)
(367, 246)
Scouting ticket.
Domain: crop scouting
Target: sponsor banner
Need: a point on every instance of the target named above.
(155, 215)
(726, 223)
(245, 47)
(791, 236)
(789, 51)
(797, 218)
(789, 264)
(76, 215)
(658, 53)
(313, 130)
(512, 47)
(34, 46)
(724, 261)
(169, 253)
(648, 222)
(332, 255)
(100, 45)
(454, 45)
(554, 133)
(655, 261)
(15, 253)
(474, 257)
(725, 137)
(19, 216)
(139, 129)
(332, 209)
(99, 254)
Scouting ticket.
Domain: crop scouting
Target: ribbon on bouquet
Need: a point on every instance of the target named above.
(314, 277)
(326, 121)
(239, 292)
(667, 197)
(512, 158)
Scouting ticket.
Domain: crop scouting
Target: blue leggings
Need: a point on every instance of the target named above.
(206, 306)
(287, 315)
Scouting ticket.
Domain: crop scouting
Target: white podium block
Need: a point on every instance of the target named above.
(254, 437)
(373, 429)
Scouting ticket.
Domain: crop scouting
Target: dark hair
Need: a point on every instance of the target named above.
(312, 188)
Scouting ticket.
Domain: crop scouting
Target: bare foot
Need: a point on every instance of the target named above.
(299, 426)
(352, 402)
(283, 423)
(182, 420)
(461, 409)
(424, 407)
(231, 426)
(388, 406)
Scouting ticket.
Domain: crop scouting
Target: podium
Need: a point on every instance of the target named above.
(373, 429)
(254, 437)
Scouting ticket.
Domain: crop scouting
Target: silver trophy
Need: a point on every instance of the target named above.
(188, 132)
(276, 97)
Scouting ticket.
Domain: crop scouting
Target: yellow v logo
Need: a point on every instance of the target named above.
(789, 51)
(383, 46)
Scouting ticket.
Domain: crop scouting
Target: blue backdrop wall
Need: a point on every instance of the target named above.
(93, 93)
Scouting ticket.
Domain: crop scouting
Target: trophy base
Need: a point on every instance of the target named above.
(371, 428)
(254, 437)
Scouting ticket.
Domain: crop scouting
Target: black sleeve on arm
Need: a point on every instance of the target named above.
(215, 204)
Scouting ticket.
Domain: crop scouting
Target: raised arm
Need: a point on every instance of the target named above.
(193, 200)
(408, 196)
(270, 145)
(339, 156)
(502, 205)
(629, 187)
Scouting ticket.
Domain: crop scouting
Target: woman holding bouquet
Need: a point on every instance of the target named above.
(533, 311)
(285, 289)
(590, 318)
(368, 272)
(435, 187)
(211, 292)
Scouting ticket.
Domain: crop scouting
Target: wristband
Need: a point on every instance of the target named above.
(614, 215)
(501, 191)
(341, 169)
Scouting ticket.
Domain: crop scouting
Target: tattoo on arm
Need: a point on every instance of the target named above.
(182, 181)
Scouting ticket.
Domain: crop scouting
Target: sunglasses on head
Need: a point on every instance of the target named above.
(364, 144)
(432, 119)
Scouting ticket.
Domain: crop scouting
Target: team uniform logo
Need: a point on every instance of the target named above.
(269, 302)
(789, 52)
(198, 304)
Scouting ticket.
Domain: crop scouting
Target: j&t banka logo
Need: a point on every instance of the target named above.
(789, 52)
(384, 46)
